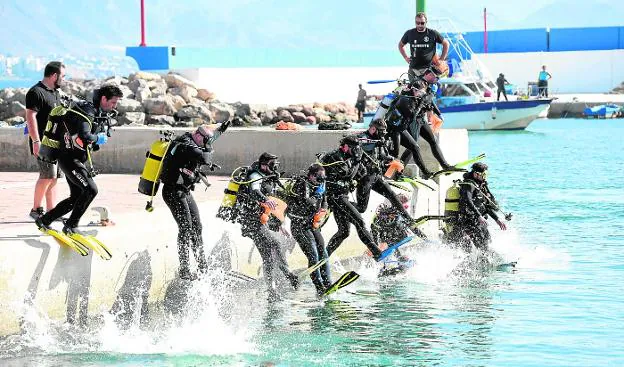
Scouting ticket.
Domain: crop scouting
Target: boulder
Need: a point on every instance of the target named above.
(221, 111)
(185, 91)
(298, 117)
(144, 75)
(205, 95)
(311, 120)
(241, 109)
(323, 118)
(160, 106)
(157, 87)
(129, 105)
(294, 108)
(20, 95)
(17, 109)
(159, 120)
(144, 93)
(127, 93)
(191, 112)
(136, 84)
(331, 108)
(268, 118)
(285, 116)
(117, 80)
(308, 111)
(178, 101)
(177, 81)
(253, 120)
(7, 94)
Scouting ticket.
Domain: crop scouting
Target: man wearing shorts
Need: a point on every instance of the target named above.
(40, 100)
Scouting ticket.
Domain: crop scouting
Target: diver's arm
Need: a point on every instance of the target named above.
(84, 130)
(256, 188)
(218, 131)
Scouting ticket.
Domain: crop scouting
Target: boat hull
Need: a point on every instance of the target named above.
(508, 115)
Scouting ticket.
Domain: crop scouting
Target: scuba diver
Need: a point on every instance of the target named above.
(405, 120)
(420, 127)
(73, 131)
(183, 166)
(307, 207)
(375, 159)
(389, 225)
(468, 226)
(260, 183)
(343, 166)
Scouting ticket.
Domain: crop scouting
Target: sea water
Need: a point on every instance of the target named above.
(563, 305)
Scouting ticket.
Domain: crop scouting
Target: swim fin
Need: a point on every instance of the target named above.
(387, 252)
(346, 279)
(93, 243)
(312, 268)
(62, 238)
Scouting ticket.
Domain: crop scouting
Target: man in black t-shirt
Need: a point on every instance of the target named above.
(422, 41)
(40, 100)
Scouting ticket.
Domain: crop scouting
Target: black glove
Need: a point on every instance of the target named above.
(214, 167)
(224, 126)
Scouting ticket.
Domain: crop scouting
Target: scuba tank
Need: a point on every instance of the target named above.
(451, 207)
(56, 136)
(227, 210)
(451, 202)
(150, 178)
(383, 106)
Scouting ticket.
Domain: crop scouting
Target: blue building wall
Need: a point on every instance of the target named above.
(542, 40)
(572, 39)
(504, 41)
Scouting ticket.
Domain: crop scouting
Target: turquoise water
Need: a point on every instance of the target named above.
(562, 306)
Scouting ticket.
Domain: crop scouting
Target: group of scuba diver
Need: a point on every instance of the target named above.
(259, 198)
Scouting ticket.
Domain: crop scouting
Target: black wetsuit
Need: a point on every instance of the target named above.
(341, 171)
(180, 173)
(303, 204)
(249, 210)
(75, 147)
(374, 157)
(475, 199)
(420, 127)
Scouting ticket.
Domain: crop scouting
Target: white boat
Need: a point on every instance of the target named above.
(463, 107)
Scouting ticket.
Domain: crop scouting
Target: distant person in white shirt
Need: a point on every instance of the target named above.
(542, 82)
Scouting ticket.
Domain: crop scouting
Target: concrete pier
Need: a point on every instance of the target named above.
(37, 274)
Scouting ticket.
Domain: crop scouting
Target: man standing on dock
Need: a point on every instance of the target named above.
(542, 82)
(422, 41)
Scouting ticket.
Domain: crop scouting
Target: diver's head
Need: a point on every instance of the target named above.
(350, 146)
(107, 96)
(316, 173)
(268, 163)
(479, 171)
(202, 136)
(377, 128)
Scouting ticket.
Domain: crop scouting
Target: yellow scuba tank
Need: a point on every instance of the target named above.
(451, 202)
(226, 210)
(150, 178)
